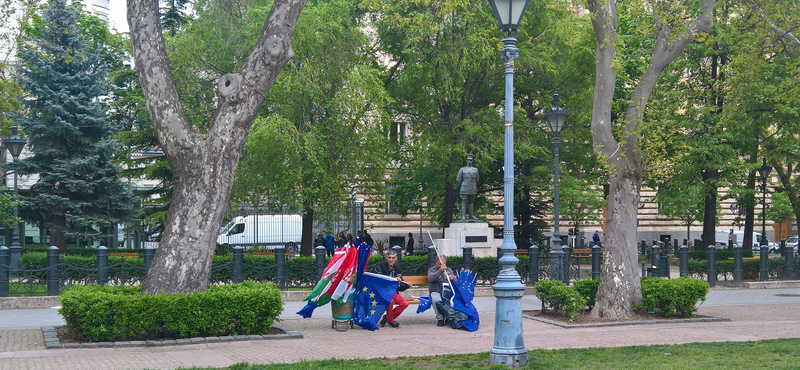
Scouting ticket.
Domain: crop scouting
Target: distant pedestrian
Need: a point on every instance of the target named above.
(341, 240)
(410, 245)
(330, 244)
(596, 237)
(366, 238)
(319, 241)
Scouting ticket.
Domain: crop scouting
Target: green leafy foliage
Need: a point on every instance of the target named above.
(106, 313)
(668, 297)
(62, 71)
(587, 288)
(560, 297)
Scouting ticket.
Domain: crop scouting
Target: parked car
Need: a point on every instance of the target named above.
(791, 242)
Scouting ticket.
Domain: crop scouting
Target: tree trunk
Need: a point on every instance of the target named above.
(306, 241)
(58, 239)
(620, 263)
(709, 209)
(451, 198)
(203, 165)
(619, 282)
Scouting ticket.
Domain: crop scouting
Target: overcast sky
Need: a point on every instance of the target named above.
(117, 10)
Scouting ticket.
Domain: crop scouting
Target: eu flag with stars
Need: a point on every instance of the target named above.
(372, 296)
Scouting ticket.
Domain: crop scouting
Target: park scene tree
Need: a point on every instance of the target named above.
(297, 104)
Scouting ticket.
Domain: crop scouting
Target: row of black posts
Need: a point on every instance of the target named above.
(53, 283)
(660, 265)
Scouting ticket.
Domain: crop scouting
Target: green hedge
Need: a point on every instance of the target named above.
(110, 313)
(663, 297)
(587, 288)
(722, 254)
(668, 297)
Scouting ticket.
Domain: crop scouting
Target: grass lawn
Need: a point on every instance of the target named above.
(768, 354)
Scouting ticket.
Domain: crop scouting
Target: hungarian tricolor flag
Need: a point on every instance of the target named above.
(337, 279)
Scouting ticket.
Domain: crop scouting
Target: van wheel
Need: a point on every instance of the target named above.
(291, 247)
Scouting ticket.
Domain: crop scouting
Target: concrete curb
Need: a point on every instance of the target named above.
(620, 323)
(29, 302)
(51, 340)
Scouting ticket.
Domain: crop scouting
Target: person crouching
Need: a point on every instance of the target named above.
(390, 268)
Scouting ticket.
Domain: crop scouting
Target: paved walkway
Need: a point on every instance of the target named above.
(755, 314)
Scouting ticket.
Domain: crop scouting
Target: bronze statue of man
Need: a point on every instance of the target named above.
(468, 187)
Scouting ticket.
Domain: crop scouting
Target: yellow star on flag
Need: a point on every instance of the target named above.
(372, 294)
(365, 289)
(371, 312)
(374, 303)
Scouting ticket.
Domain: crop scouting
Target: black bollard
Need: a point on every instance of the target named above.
(238, 264)
(533, 264)
(469, 262)
(319, 253)
(399, 251)
(655, 256)
(52, 271)
(764, 260)
(280, 266)
(102, 265)
(5, 260)
(565, 264)
(663, 266)
(712, 265)
(596, 262)
(684, 261)
(737, 264)
(149, 253)
(643, 247)
(644, 269)
(431, 256)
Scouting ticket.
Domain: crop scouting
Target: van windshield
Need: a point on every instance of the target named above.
(224, 230)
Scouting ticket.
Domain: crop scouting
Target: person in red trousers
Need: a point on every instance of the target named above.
(390, 268)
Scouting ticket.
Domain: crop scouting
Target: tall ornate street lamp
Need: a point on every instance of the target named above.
(421, 246)
(508, 348)
(556, 117)
(764, 172)
(14, 144)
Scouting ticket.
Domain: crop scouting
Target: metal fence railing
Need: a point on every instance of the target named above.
(37, 276)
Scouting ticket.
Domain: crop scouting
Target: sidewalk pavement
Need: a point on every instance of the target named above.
(755, 314)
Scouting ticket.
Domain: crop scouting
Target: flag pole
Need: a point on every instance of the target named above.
(438, 256)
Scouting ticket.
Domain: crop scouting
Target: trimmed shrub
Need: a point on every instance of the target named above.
(560, 297)
(668, 297)
(587, 288)
(107, 313)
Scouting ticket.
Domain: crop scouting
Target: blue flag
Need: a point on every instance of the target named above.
(462, 300)
(373, 295)
(424, 304)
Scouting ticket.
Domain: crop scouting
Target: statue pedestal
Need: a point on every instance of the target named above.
(478, 235)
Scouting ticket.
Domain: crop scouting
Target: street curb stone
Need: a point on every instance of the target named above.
(620, 323)
(51, 340)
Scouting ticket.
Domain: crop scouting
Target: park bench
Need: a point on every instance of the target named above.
(415, 281)
(584, 252)
(288, 254)
(124, 255)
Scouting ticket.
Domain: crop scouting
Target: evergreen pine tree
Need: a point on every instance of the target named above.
(78, 190)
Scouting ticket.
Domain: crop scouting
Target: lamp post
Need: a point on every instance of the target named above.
(508, 348)
(14, 144)
(764, 171)
(421, 243)
(556, 117)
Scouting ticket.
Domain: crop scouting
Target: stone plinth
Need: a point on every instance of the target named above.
(478, 235)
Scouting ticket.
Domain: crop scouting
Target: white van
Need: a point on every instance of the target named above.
(267, 230)
(722, 238)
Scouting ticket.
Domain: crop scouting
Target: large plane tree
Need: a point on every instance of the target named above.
(203, 165)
